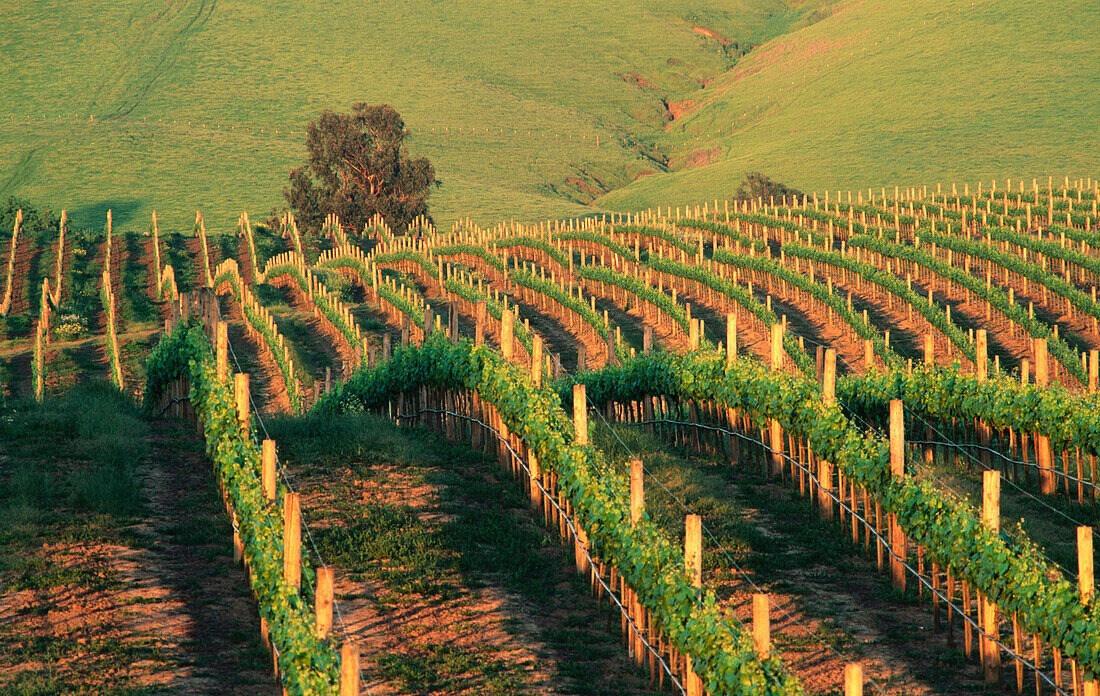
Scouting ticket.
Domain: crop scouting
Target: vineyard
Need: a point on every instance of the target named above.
(839, 443)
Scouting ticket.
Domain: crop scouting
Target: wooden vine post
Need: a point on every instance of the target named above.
(221, 348)
(349, 669)
(895, 536)
(323, 602)
(536, 361)
(761, 625)
(775, 430)
(267, 470)
(240, 394)
(637, 506)
(580, 414)
(506, 335)
(693, 559)
(1087, 585)
(853, 679)
(991, 518)
(731, 339)
(981, 365)
(580, 427)
(1047, 483)
(292, 540)
(825, 468)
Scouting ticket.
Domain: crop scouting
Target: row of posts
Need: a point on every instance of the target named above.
(178, 392)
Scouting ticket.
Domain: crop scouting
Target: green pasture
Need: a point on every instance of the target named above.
(897, 93)
(201, 104)
(195, 104)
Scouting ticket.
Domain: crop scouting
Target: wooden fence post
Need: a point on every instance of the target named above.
(1086, 585)
(693, 548)
(731, 339)
(387, 346)
(761, 625)
(222, 346)
(828, 378)
(323, 601)
(693, 558)
(580, 414)
(853, 679)
(349, 669)
(1047, 482)
(506, 334)
(267, 470)
(637, 491)
(1085, 581)
(897, 470)
(536, 361)
(479, 323)
(775, 430)
(991, 518)
(777, 347)
(292, 540)
(240, 393)
(647, 339)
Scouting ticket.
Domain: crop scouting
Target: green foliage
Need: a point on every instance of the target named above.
(649, 562)
(994, 296)
(98, 433)
(322, 300)
(359, 168)
(943, 393)
(892, 284)
(38, 223)
(552, 291)
(308, 664)
(638, 288)
(739, 295)
(136, 305)
(760, 185)
(286, 369)
(1007, 569)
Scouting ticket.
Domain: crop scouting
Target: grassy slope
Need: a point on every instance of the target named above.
(201, 105)
(888, 92)
(193, 104)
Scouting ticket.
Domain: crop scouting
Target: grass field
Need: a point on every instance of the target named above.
(202, 105)
(196, 104)
(886, 93)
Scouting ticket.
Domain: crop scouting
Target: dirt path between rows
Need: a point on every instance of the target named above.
(449, 611)
(163, 607)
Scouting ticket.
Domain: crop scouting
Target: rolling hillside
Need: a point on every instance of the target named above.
(536, 110)
(200, 104)
(884, 92)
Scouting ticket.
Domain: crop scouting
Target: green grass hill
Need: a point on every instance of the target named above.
(534, 110)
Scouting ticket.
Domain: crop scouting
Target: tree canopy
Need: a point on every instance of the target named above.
(358, 167)
(760, 185)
